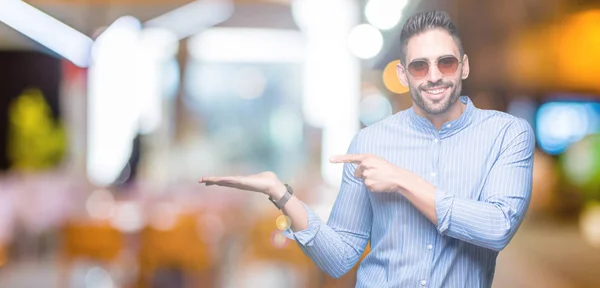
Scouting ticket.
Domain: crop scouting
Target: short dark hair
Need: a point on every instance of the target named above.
(425, 21)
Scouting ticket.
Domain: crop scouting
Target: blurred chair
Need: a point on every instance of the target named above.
(265, 244)
(177, 248)
(97, 241)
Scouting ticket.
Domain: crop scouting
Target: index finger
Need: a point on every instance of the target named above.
(348, 158)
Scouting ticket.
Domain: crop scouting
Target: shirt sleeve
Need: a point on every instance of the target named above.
(337, 246)
(492, 221)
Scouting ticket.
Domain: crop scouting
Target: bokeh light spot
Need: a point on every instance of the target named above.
(100, 204)
(365, 41)
(374, 108)
(278, 240)
(283, 222)
(390, 78)
(590, 224)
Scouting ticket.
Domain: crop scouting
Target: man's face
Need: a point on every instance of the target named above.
(435, 91)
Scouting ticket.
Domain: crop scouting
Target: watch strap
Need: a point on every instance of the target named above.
(284, 199)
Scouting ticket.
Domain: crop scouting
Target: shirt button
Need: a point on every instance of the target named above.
(433, 174)
(436, 140)
(423, 282)
(429, 247)
(448, 126)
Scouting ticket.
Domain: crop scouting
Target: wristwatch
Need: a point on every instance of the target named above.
(284, 199)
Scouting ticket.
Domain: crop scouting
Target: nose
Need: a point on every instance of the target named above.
(434, 74)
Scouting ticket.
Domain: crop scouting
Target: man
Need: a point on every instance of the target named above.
(439, 189)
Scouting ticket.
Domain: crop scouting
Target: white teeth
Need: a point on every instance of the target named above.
(436, 91)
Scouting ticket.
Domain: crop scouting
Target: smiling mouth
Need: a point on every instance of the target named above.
(436, 91)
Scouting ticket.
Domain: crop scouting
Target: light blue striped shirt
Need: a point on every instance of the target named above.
(481, 164)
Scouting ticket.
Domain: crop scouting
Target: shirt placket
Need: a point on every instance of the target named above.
(429, 247)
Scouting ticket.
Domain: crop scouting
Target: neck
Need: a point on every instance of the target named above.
(438, 120)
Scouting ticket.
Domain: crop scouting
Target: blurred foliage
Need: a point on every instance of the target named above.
(35, 140)
(581, 166)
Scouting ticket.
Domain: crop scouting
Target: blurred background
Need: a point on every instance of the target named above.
(111, 110)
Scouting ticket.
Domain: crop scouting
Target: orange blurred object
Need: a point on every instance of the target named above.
(94, 240)
(561, 56)
(265, 243)
(178, 246)
(390, 78)
(2, 255)
(578, 50)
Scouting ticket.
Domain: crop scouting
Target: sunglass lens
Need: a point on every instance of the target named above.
(448, 65)
(418, 68)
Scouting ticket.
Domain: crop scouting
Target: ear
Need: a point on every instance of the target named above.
(465, 69)
(401, 72)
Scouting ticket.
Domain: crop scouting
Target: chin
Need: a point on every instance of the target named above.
(438, 106)
(436, 109)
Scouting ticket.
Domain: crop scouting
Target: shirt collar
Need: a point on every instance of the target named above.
(449, 128)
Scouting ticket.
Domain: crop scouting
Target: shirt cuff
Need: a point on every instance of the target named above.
(305, 237)
(443, 210)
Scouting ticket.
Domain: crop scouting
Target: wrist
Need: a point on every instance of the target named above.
(281, 199)
(400, 181)
(405, 181)
(410, 183)
(277, 191)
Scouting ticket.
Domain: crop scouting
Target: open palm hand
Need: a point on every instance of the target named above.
(264, 182)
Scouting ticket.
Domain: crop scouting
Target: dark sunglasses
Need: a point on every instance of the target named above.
(420, 68)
